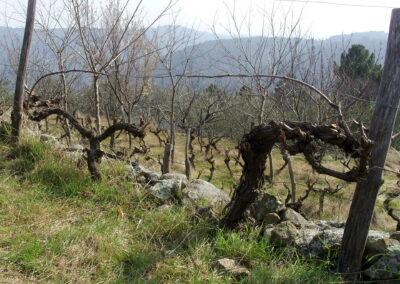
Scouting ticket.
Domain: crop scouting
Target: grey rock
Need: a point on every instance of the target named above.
(271, 218)
(306, 235)
(48, 138)
(267, 232)
(326, 242)
(175, 176)
(386, 267)
(166, 189)
(264, 204)
(328, 224)
(288, 234)
(141, 180)
(199, 190)
(135, 171)
(131, 172)
(76, 148)
(51, 140)
(296, 218)
(232, 267)
(284, 234)
(379, 244)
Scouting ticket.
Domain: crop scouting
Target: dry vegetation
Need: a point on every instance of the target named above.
(59, 226)
(114, 79)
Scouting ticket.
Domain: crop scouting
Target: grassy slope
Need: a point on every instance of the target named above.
(58, 226)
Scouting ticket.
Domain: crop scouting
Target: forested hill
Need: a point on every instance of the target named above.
(220, 56)
(208, 55)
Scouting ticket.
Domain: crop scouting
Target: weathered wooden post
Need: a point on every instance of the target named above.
(16, 115)
(362, 207)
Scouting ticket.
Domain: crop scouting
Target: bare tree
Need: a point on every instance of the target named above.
(174, 40)
(279, 39)
(94, 41)
(129, 76)
(58, 34)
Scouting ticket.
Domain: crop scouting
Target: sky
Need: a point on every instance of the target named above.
(319, 18)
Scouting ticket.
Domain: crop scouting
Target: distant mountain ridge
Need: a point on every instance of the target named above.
(210, 57)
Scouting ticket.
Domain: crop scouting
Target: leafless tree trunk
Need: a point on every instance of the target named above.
(292, 179)
(362, 207)
(288, 161)
(172, 126)
(175, 41)
(65, 105)
(97, 102)
(227, 161)
(211, 161)
(271, 167)
(16, 115)
(321, 204)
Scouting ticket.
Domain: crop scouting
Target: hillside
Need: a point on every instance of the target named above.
(59, 226)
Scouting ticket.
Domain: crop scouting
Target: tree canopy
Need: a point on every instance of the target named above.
(359, 63)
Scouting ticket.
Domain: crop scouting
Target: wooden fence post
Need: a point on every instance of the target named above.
(381, 128)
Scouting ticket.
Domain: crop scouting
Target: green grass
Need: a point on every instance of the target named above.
(59, 226)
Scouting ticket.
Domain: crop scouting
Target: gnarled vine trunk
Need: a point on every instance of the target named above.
(256, 145)
(93, 159)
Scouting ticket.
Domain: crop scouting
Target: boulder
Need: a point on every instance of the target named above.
(131, 172)
(329, 224)
(306, 235)
(379, 244)
(49, 139)
(266, 233)
(166, 189)
(326, 242)
(200, 190)
(329, 239)
(263, 205)
(271, 219)
(75, 148)
(296, 218)
(134, 170)
(231, 266)
(386, 267)
(175, 176)
(284, 234)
